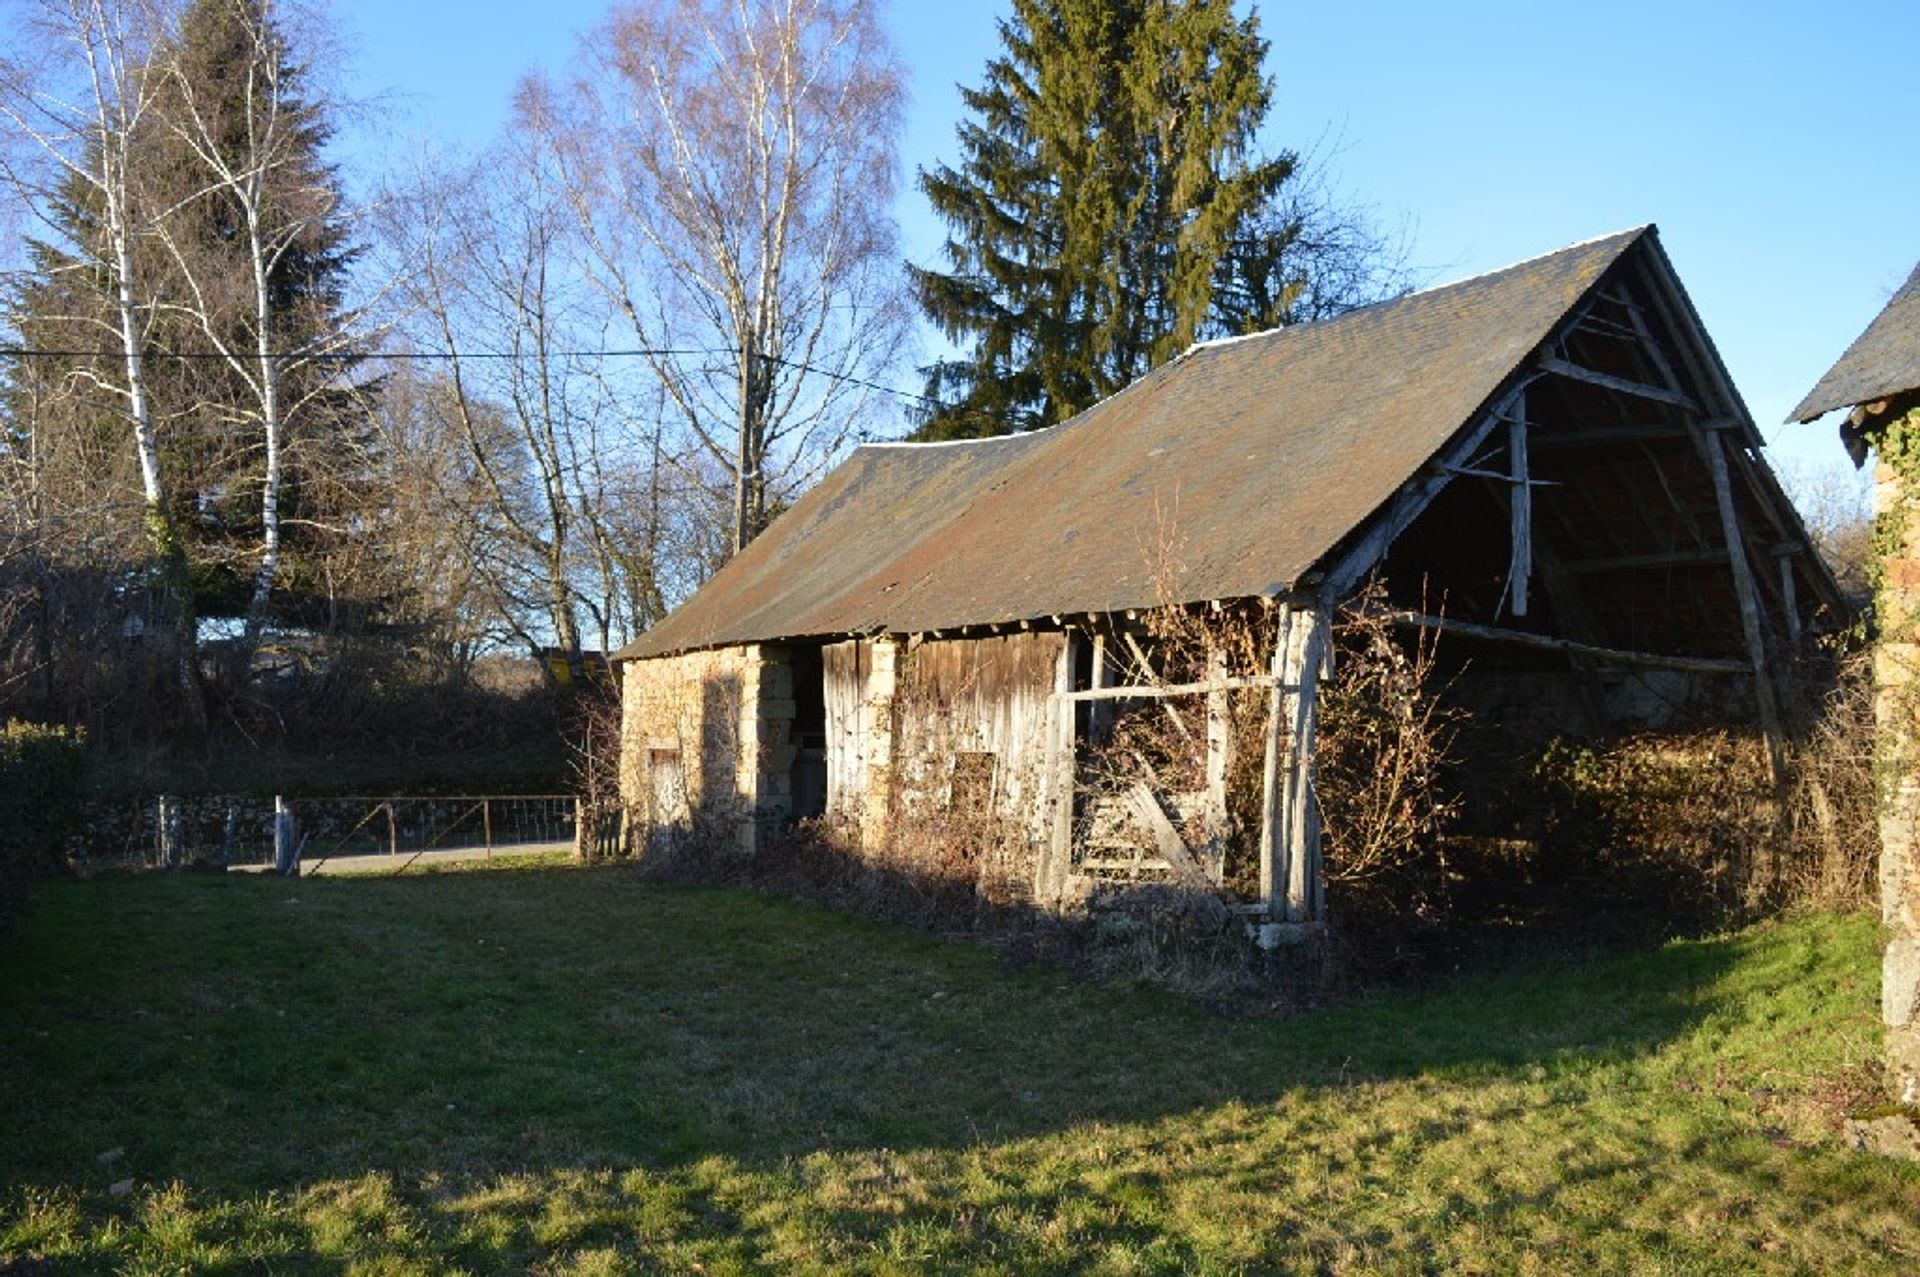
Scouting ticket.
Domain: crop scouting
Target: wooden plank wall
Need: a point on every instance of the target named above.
(847, 669)
(980, 696)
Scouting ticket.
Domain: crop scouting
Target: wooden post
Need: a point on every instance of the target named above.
(1273, 847)
(393, 830)
(286, 853)
(882, 685)
(1219, 745)
(486, 823)
(1520, 508)
(168, 819)
(1790, 604)
(1749, 609)
(1052, 866)
(1299, 813)
(1099, 716)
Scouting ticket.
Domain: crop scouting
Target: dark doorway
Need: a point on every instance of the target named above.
(809, 732)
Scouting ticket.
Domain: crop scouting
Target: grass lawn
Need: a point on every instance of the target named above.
(565, 1070)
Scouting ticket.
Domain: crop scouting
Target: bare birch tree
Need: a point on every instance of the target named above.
(76, 97)
(248, 128)
(731, 164)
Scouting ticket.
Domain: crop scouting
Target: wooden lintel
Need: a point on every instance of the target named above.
(1548, 643)
(1607, 381)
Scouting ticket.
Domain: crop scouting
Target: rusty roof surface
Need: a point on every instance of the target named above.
(1227, 473)
(1884, 360)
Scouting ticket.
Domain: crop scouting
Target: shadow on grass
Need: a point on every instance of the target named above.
(603, 1052)
(257, 1031)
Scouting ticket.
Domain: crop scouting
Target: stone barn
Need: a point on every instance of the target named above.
(1878, 380)
(1548, 464)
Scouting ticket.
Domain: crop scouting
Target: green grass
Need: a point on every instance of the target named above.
(570, 1071)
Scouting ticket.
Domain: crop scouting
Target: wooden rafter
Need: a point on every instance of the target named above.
(1625, 386)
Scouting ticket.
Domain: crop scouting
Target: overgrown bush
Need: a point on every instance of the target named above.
(42, 787)
(1694, 825)
(1382, 771)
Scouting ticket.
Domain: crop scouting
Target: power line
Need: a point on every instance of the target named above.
(450, 356)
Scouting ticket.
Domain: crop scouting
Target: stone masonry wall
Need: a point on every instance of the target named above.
(706, 744)
(1897, 714)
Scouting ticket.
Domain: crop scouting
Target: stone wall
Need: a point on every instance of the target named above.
(1896, 495)
(706, 744)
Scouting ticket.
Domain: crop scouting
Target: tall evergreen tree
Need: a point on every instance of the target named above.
(1109, 183)
(257, 255)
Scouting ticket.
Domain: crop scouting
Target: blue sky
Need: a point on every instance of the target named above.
(1774, 143)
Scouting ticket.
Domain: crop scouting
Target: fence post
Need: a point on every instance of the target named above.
(393, 830)
(486, 819)
(286, 854)
(169, 830)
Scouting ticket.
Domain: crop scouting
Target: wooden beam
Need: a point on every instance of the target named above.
(1299, 832)
(1520, 511)
(1691, 524)
(1273, 848)
(1051, 868)
(1146, 671)
(1650, 345)
(1161, 691)
(1749, 609)
(1100, 717)
(1219, 755)
(1549, 643)
(1786, 519)
(1792, 605)
(1634, 562)
(1466, 472)
(1607, 381)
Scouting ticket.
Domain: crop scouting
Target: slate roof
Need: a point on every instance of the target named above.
(1884, 360)
(1227, 473)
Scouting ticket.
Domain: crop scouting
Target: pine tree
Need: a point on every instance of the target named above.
(1109, 170)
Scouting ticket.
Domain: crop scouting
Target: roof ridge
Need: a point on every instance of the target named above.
(949, 443)
(1214, 343)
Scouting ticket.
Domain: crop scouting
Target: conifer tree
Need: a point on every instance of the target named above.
(1109, 188)
(256, 253)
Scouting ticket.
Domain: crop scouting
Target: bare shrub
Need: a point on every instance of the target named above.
(1831, 847)
(594, 744)
(1384, 750)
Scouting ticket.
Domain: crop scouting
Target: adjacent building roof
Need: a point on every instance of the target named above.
(1227, 473)
(1883, 361)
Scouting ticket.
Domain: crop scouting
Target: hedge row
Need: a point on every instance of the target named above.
(42, 789)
